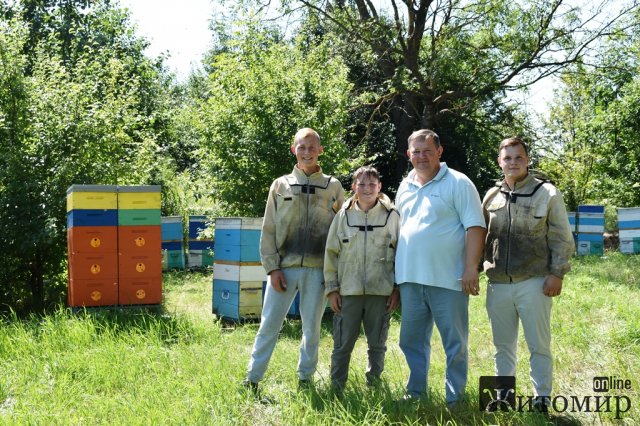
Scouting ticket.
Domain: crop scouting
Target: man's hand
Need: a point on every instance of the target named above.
(335, 301)
(552, 286)
(393, 301)
(471, 282)
(278, 282)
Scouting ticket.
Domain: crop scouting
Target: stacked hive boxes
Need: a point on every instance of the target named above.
(572, 221)
(629, 229)
(572, 224)
(139, 245)
(92, 242)
(172, 243)
(238, 275)
(199, 246)
(590, 230)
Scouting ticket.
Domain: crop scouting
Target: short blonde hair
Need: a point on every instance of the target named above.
(305, 133)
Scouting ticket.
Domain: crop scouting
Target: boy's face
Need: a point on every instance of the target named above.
(307, 151)
(513, 161)
(366, 188)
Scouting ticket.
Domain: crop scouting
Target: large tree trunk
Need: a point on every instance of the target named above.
(404, 125)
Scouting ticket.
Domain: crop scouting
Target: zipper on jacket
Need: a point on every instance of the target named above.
(366, 223)
(506, 264)
(306, 226)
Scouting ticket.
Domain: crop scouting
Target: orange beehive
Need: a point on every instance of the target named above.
(92, 239)
(139, 245)
(140, 291)
(139, 265)
(97, 292)
(93, 266)
(115, 257)
(140, 239)
(92, 244)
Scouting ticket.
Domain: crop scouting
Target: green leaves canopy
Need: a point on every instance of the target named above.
(261, 91)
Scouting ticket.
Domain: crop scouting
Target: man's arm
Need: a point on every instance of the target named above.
(474, 245)
(269, 255)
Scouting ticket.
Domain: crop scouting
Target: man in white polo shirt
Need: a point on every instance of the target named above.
(441, 240)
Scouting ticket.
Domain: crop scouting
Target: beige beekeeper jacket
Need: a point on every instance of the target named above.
(528, 233)
(297, 218)
(360, 252)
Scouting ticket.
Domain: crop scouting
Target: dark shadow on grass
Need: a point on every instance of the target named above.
(357, 403)
(143, 319)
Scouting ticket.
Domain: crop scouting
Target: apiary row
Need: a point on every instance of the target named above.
(588, 228)
(200, 246)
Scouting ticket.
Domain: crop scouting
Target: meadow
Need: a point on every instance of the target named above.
(180, 365)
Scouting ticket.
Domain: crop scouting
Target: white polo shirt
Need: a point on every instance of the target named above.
(434, 219)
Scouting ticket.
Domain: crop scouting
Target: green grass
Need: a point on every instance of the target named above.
(179, 365)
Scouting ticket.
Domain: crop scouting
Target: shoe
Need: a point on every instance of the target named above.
(409, 398)
(305, 384)
(250, 386)
(252, 389)
(541, 405)
(373, 382)
(454, 405)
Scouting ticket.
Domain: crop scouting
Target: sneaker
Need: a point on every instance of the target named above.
(373, 382)
(252, 389)
(305, 384)
(541, 404)
(541, 407)
(409, 398)
(454, 405)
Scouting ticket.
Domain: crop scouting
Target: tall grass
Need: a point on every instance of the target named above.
(180, 365)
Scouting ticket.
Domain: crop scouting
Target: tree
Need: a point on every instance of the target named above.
(261, 90)
(90, 111)
(591, 146)
(448, 65)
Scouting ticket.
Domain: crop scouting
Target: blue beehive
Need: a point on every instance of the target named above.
(237, 268)
(172, 243)
(236, 300)
(629, 229)
(200, 245)
(590, 229)
(237, 239)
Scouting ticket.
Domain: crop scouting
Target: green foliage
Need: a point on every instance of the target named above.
(261, 91)
(593, 143)
(446, 66)
(84, 110)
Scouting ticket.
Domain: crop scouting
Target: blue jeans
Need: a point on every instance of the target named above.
(310, 283)
(423, 305)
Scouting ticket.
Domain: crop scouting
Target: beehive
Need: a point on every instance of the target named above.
(172, 243)
(92, 242)
(590, 229)
(237, 271)
(139, 245)
(113, 239)
(200, 245)
(629, 229)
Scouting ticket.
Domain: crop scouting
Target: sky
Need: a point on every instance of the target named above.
(181, 28)
(178, 27)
